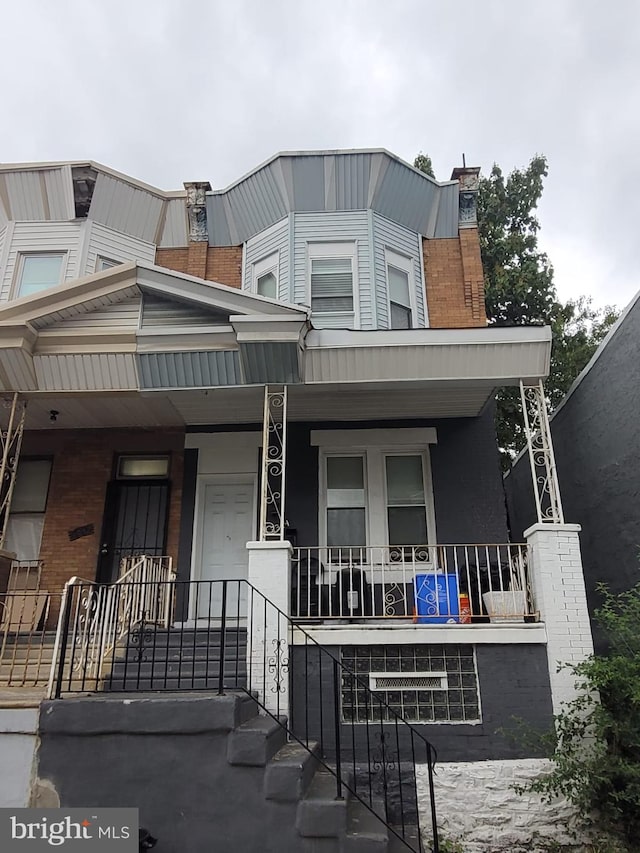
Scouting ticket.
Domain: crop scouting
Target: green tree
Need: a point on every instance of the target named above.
(519, 289)
(423, 162)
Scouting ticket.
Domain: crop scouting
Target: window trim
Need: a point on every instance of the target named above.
(19, 269)
(375, 485)
(336, 249)
(270, 263)
(405, 264)
(111, 261)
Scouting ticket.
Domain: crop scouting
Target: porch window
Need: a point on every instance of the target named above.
(346, 503)
(39, 271)
(406, 506)
(265, 276)
(28, 505)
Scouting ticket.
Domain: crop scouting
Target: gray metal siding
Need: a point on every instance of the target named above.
(339, 226)
(119, 315)
(126, 208)
(189, 369)
(86, 372)
(161, 313)
(26, 200)
(270, 362)
(59, 189)
(341, 181)
(275, 239)
(174, 232)
(390, 235)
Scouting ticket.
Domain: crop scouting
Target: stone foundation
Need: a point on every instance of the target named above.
(477, 806)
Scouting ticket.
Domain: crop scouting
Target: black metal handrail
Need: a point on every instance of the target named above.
(226, 635)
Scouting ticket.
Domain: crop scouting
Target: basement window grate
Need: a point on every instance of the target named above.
(420, 681)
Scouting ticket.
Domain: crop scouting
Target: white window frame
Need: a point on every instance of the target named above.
(346, 249)
(376, 486)
(405, 264)
(271, 263)
(111, 261)
(22, 256)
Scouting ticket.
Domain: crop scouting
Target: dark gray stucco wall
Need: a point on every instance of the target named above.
(596, 438)
(168, 758)
(514, 685)
(467, 484)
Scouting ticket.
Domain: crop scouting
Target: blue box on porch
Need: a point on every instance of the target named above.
(437, 598)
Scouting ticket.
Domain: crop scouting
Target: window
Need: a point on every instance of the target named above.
(143, 466)
(106, 264)
(406, 506)
(375, 494)
(346, 522)
(39, 271)
(28, 504)
(332, 280)
(400, 285)
(265, 276)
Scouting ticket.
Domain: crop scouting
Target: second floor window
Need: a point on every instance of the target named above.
(332, 275)
(39, 271)
(400, 284)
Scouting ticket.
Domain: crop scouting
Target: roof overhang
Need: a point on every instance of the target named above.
(64, 340)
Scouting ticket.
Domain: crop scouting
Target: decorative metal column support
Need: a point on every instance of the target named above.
(543, 464)
(274, 447)
(10, 442)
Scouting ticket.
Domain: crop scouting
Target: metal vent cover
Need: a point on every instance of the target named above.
(380, 681)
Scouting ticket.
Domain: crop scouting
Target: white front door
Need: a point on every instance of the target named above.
(226, 525)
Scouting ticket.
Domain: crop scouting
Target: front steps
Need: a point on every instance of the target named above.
(295, 775)
(178, 659)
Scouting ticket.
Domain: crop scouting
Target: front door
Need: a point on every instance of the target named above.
(135, 522)
(226, 524)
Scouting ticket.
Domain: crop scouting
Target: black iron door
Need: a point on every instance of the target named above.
(135, 522)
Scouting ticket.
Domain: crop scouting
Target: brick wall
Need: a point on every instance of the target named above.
(82, 467)
(222, 264)
(454, 281)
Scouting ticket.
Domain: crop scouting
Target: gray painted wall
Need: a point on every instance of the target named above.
(467, 485)
(168, 758)
(597, 449)
(18, 743)
(514, 684)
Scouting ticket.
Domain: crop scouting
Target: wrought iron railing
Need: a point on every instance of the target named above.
(241, 641)
(27, 636)
(429, 584)
(102, 616)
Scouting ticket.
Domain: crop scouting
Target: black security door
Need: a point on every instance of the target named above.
(135, 522)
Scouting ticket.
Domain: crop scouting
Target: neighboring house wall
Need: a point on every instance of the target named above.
(26, 237)
(597, 448)
(103, 242)
(454, 281)
(18, 736)
(222, 264)
(83, 464)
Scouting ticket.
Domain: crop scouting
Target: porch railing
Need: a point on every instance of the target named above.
(103, 616)
(429, 584)
(241, 641)
(27, 636)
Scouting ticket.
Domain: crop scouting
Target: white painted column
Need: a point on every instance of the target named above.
(268, 640)
(557, 583)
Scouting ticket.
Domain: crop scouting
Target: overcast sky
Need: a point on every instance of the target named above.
(169, 91)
